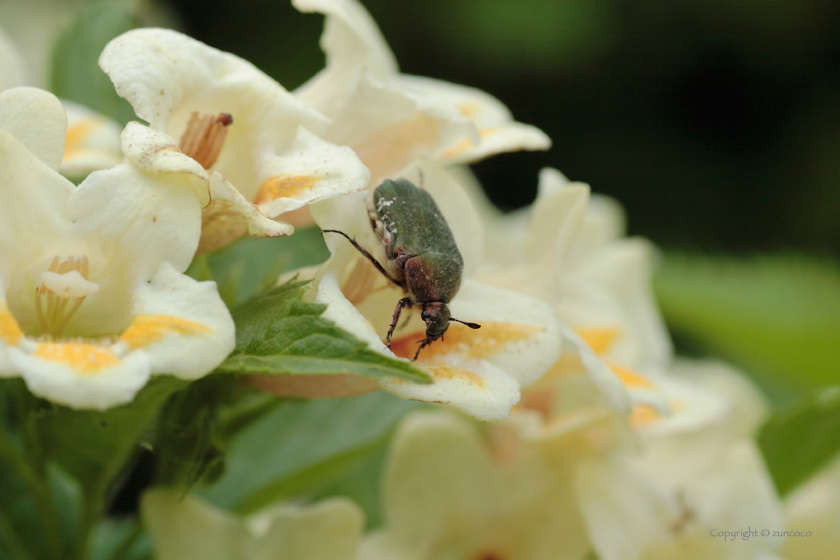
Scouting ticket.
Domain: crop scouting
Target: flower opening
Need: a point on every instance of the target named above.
(204, 137)
(64, 286)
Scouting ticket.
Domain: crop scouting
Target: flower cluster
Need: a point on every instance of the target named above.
(596, 441)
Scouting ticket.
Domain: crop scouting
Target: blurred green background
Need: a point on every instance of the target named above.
(715, 122)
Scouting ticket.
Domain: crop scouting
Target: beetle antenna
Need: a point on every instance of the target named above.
(470, 325)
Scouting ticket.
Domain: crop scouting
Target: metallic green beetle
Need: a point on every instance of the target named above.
(423, 258)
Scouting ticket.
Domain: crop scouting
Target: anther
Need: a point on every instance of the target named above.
(65, 284)
(204, 137)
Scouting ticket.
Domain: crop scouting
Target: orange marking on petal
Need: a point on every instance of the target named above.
(458, 148)
(466, 143)
(145, 330)
(643, 415)
(284, 186)
(451, 373)
(539, 399)
(490, 339)
(10, 332)
(75, 137)
(469, 109)
(630, 378)
(599, 339)
(86, 359)
(391, 148)
(566, 365)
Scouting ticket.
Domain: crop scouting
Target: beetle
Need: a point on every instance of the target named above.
(423, 258)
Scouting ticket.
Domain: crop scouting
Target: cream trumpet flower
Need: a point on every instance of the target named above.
(250, 145)
(92, 140)
(391, 119)
(631, 516)
(92, 299)
(188, 528)
(709, 405)
(695, 474)
(478, 371)
(812, 513)
(569, 250)
(445, 496)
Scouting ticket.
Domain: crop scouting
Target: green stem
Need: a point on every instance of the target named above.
(91, 511)
(40, 491)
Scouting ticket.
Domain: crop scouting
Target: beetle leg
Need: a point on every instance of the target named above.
(364, 252)
(423, 343)
(404, 302)
(407, 319)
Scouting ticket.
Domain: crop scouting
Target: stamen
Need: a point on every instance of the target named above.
(204, 137)
(63, 282)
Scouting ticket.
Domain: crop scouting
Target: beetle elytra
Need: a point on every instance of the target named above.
(423, 258)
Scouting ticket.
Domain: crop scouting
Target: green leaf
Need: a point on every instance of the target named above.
(799, 440)
(76, 75)
(301, 446)
(21, 521)
(39, 508)
(775, 315)
(94, 446)
(279, 333)
(251, 264)
(184, 443)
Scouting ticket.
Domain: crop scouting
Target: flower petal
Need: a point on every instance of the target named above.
(155, 152)
(34, 197)
(353, 44)
(476, 388)
(81, 375)
(438, 478)
(345, 315)
(522, 337)
(166, 75)
(599, 372)
(553, 229)
(330, 386)
(92, 142)
(309, 170)
(188, 528)
(182, 325)
(37, 120)
(388, 129)
(624, 511)
(10, 335)
(496, 127)
(229, 215)
(326, 530)
(612, 286)
(137, 220)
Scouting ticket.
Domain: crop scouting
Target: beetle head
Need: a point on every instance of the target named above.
(437, 317)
